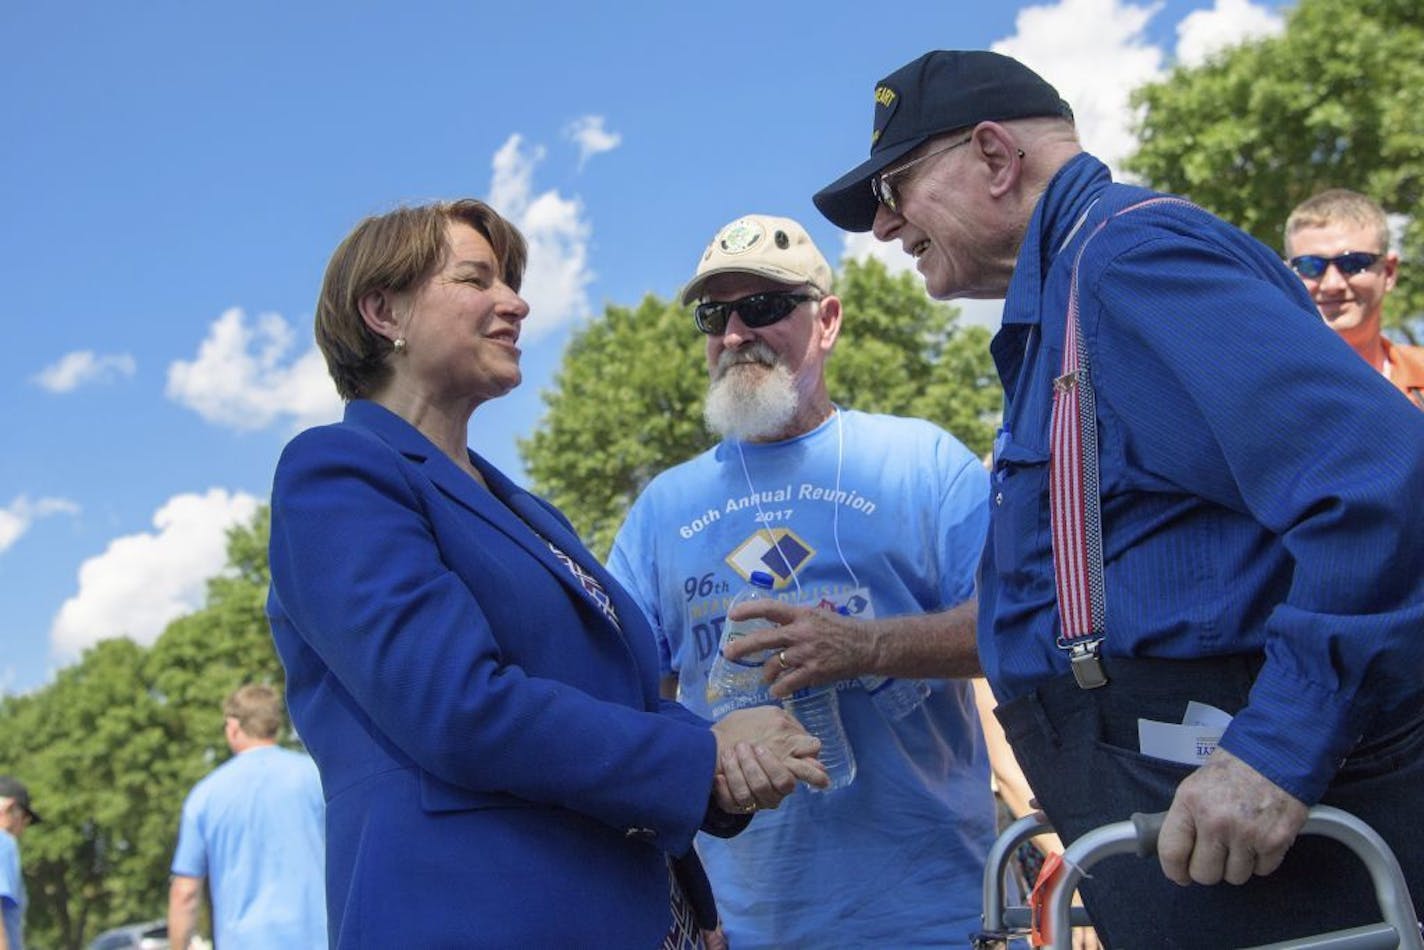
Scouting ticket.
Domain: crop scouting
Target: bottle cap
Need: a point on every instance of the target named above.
(762, 579)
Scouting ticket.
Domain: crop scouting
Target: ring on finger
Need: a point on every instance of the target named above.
(781, 658)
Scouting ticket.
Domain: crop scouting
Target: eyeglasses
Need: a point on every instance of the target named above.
(756, 311)
(885, 192)
(1313, 266)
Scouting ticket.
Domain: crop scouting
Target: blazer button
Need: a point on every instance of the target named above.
(641, 834)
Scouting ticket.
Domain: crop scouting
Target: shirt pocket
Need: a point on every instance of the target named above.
(1018, 503)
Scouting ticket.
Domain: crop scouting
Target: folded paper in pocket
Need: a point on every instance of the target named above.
(1200, 714)
(1190, 742)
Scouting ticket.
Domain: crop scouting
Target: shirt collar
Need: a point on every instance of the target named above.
(1070, 192)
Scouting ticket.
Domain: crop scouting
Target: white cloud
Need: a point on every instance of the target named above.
(143, 581)
(244, 377)
(557, 278)
(1228, 23)
(76, 369)
(1095, 53)
(588, 133)
(863, 245)
(988, 314)
(20, 514)
(247, 376)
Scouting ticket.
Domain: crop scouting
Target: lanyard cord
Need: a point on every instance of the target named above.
(835, 512)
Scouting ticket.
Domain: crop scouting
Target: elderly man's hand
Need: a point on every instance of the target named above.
(810, 646)
(1227, 821)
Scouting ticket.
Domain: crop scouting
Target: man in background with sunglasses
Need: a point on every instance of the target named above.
(1204, 586)
(1338, 242)
(871, 526)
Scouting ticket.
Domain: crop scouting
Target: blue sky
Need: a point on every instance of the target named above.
(174, 176)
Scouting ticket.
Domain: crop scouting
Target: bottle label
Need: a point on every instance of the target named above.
(734, 631)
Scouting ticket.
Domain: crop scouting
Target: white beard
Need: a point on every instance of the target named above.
(750, 403)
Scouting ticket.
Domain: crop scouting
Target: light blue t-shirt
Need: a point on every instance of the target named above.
(12, 891)
(896, 858)
(255, 829)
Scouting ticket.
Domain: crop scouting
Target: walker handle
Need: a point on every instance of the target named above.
(1400, 925)
(1148, 826)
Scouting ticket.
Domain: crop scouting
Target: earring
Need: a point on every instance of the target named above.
(1020, 151)
(398, 344)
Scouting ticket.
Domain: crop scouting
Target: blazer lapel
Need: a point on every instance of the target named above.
(537, 513)
(498, 506)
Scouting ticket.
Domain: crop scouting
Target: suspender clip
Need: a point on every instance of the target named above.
(1087, 664)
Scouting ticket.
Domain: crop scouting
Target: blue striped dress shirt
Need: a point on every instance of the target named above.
(1262, 486)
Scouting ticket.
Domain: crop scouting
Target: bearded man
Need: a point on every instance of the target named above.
(871, 526)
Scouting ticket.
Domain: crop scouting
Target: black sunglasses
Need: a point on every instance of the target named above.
(1313, 266)
(756, 311)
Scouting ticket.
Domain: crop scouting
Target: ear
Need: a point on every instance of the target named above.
(1391, 270)
(1000, 152)
(378, 313)
(828, 321)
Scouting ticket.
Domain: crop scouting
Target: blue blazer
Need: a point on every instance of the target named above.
(499, 769)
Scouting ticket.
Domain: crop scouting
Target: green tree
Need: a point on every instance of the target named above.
(1334, 101)
(86, 745)
(112, 746)
(901, 352)
(627, 400)
(626, 403)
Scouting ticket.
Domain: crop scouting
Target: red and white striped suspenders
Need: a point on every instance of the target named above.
(1074, 503)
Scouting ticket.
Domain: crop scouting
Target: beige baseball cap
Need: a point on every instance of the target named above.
(777, 248)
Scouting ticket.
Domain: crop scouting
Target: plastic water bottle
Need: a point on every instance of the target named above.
(818, 708)
(895, 698)
(737, 684)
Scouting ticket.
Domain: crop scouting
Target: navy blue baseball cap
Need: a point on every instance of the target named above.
(940, 92)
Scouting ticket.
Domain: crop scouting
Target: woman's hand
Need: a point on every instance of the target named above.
(761, 754)
(716, 939)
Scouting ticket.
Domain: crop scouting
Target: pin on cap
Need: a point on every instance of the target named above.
(768, 246)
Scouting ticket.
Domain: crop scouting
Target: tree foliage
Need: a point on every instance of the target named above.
(627, 400)
(1334, 101)
(112, 746)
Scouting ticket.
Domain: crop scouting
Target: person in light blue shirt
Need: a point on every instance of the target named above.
(254, 829)
(1262, 517)
(871, 526)
(15, 816)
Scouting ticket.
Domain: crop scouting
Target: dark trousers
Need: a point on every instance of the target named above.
(1078, 749)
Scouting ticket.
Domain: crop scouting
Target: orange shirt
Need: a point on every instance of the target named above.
(1406, 369)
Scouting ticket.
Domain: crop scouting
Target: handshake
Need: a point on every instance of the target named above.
(762, 752)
